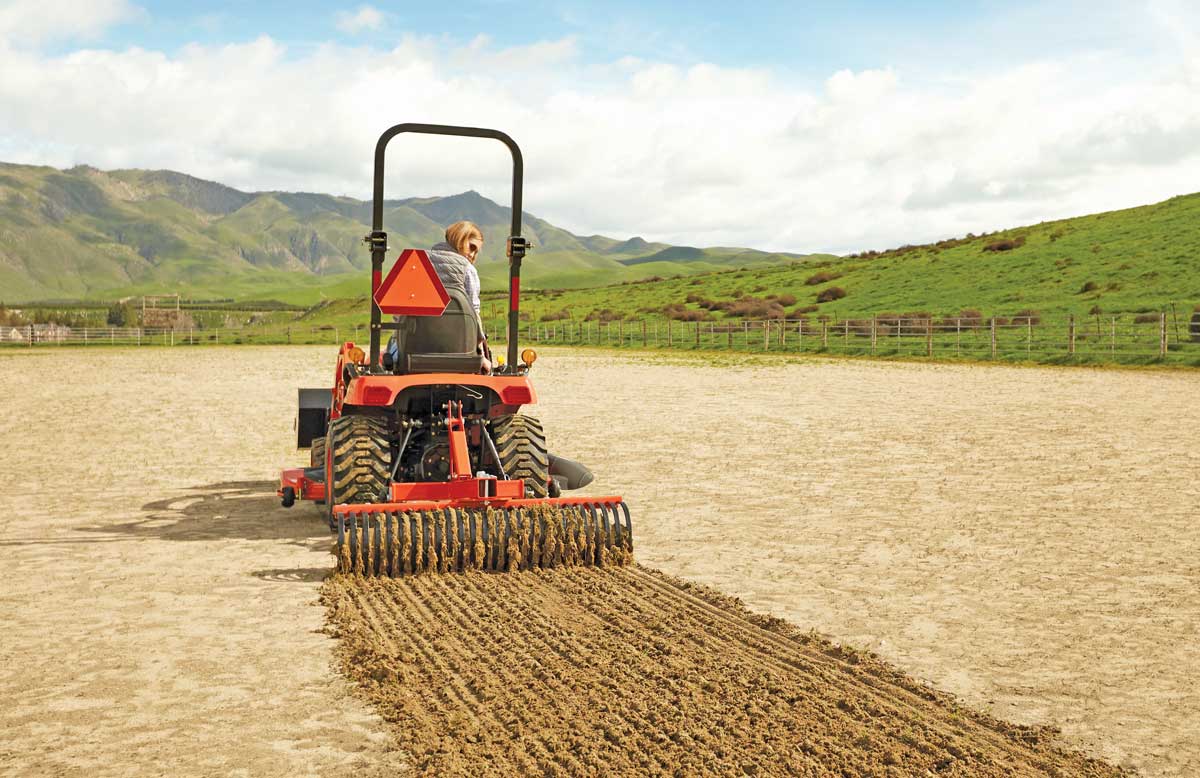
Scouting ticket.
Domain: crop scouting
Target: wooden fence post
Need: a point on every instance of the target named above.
(767, 335)
(800, 335)
(643, 333)
(1071, 334)
(929, 337)
(1113, 342)
(1028, 335)
(1162, 335)
(620, 332)
(874, 331)
(824, 334)
(729, 335)
(846, 336)
(993, 325)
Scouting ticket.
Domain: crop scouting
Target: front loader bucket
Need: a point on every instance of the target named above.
(397, 540)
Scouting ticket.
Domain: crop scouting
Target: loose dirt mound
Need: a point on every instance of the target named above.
(627, 671)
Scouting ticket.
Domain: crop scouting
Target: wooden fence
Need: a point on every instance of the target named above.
(1129, 338)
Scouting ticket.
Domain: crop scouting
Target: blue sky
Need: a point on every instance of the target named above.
(857, 33)
(798, 126)
(811, 38)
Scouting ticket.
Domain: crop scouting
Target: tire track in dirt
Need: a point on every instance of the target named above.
(615, 671)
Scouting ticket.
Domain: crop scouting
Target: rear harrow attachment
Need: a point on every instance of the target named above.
(396, 540)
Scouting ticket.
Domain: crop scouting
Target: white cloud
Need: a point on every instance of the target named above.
(29, 22)
(702, 155)
(364, 18)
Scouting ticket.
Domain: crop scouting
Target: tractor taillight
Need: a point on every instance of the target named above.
(377, 395)
(516, 395)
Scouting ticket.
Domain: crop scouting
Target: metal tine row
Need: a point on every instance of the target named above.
(399, 543)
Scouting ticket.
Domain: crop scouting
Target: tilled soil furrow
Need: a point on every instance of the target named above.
(514, 669)
(897, 699)
(582, 671)
(596, 694)
(900, 695)
(673, 628)
(446, 643)
(410, 671)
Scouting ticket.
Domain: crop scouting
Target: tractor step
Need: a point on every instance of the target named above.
(396, 540)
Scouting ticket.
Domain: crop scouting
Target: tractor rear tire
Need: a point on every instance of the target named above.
(358, 459)
(521, 444)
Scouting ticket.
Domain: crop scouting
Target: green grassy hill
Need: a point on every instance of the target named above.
(89, 234)
(1135, 260)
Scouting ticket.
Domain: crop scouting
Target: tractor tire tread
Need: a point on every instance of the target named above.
(360, 457)
(521, 444)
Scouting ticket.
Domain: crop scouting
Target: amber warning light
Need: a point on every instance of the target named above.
(412, 287)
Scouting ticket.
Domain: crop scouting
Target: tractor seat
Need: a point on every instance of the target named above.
(438, 344)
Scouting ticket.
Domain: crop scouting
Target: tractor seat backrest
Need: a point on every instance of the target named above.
(446, 343)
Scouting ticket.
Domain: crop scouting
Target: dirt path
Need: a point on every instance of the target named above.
(623, 671)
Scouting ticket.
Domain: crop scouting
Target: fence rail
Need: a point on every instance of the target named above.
(1130, 338)
(1140, 338)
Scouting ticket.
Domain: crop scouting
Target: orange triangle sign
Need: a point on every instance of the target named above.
(412, 287)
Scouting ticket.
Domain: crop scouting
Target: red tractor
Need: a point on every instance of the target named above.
(422, 457)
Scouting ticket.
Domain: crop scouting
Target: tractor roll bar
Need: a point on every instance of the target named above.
(377, 239)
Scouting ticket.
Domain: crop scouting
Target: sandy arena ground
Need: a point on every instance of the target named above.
(1023, 538)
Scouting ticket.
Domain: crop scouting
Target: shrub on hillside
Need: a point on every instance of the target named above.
(1027, 317)
(680, 312)
(966, 319)
(831, 294)
(1147, 318)
(798, 313)
(786, 299)
(604, 315)
(1008, 244)
(910, 323)
(753, 308)
(556, 315)
(823, 277)
(1090, 286)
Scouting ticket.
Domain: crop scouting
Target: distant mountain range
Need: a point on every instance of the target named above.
(89, 234)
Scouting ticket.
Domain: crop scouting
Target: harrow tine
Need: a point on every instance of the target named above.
(390, 543)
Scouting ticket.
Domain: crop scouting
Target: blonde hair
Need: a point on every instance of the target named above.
(460, 234)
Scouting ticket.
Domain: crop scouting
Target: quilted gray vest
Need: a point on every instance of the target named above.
(451, 266)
